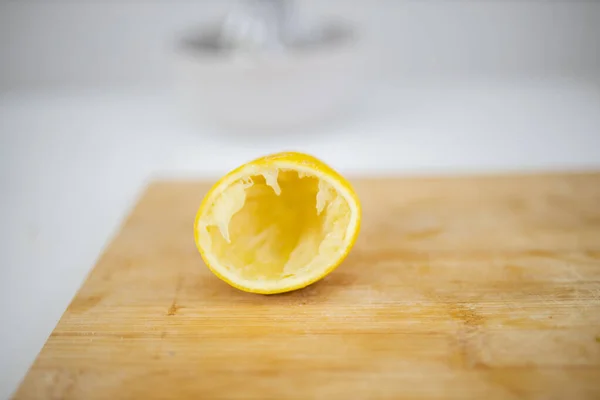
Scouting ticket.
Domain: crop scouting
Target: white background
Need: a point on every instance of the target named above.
(87, 118)
(112, 42)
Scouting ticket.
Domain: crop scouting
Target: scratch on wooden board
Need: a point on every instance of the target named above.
(469, 339)
(466, 314)
(174, 308)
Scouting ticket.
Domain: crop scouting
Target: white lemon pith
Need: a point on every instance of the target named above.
(275, 226)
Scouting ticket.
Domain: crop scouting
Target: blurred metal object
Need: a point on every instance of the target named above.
(262, 67)
(259, 25)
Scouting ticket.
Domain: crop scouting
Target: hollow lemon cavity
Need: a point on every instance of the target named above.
(275, 225)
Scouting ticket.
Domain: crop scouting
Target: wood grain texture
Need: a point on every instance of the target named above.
(484, 287)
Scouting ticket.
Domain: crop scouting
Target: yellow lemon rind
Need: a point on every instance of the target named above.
(286, 160)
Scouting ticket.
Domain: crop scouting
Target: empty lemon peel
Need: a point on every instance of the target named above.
(277, 224)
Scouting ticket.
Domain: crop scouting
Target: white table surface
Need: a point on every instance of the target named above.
(73, 162)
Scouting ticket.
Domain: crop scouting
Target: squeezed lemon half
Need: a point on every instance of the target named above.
(277, 224)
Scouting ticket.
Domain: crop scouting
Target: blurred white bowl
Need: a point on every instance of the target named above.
(303, 83)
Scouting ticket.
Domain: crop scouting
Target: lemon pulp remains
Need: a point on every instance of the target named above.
(277, 224)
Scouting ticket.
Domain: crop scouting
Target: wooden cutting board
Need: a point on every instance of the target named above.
(481, 288)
